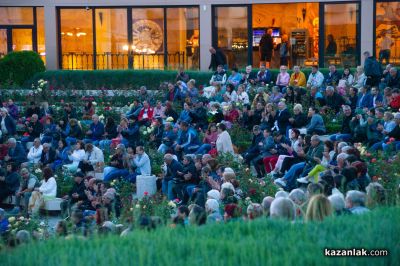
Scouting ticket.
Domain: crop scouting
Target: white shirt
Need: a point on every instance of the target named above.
(224, 143)
(94, 157)
(77, 156)
(243, 98)
(315, 79)
(3, 126)
(49, 188)
(34, 154)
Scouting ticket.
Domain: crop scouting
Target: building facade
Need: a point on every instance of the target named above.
(162, 34)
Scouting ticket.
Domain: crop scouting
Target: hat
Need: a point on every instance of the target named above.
(170, 119)
(397, 116)
(260, 90)
(213, 194)
(80, 174)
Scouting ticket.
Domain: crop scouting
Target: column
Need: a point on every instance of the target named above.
(205, 36)
(367, 27)
(50, 25)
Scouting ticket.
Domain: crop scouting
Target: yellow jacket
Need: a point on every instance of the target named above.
(301, 79)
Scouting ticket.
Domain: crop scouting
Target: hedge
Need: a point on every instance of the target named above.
(261, 242)
(18, 68)
(124, 79)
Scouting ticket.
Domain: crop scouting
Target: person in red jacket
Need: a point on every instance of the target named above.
(395, 103)
(146, 114)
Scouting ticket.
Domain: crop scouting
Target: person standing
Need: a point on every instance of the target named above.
(372, 70)
(217, 58)
(384, 47)
(266, 47)
(331, 48)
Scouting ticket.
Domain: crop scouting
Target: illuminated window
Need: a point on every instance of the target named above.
(111, 39)
(299, 23)
(388, 32)
(148, 38)
(232, 34)
(16, 16)
(341, 34)
(41, 46)
(3, 42)
(183, 37)
(76, 38)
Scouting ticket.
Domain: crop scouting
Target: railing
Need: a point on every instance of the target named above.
(84, 61)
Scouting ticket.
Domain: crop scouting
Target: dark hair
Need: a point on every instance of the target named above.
(14, 166)
(231, 87)
(296, 131)
(47, 173)
(222, 126)
(110, 122)
(329, 144)
(328, 183)
(349, 173)
(183, 209)
(315, 109)
(200, 216)
(235, 69)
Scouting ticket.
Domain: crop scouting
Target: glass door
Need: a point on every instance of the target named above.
(22, 40)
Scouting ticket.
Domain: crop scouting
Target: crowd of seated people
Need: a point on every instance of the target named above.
(290, 146)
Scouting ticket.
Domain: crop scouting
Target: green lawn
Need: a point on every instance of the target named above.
(260, 242)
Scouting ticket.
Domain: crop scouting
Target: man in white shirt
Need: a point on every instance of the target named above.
(93, 157)
(35, 152)
(315, 79)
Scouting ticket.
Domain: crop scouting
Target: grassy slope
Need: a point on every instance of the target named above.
(258, 243)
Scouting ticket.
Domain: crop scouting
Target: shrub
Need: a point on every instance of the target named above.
(125, 79)
(17, 68)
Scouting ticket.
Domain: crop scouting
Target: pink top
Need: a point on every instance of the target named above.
(283, 79)
(211, 138)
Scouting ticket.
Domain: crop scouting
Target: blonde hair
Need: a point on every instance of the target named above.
(229, 176)
(298, 107)
(318, 208)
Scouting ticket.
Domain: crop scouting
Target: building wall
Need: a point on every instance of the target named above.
(367, 30)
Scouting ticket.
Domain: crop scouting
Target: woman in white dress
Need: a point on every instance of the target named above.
(224, 142)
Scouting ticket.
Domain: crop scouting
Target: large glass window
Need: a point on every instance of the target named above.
(388, 32)
(76, 38)
(232, 34)
(297, 23)
(16, 16)
(183, 37)
(21, 39)
(3, 42)
(41, 45)
(116, 46)
(148, 38)
(340, 40)
(111, 39)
